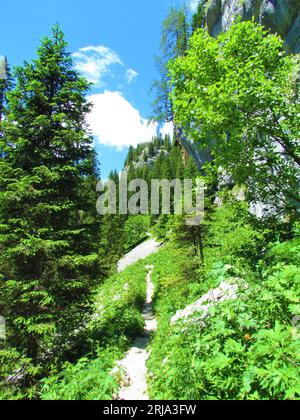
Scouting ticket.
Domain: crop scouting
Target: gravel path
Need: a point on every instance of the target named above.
(134, 364)
(139, 253)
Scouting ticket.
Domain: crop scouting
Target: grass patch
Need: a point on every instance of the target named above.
(118, 305)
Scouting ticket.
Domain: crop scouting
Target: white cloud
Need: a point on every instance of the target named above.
(167, 129)
(115, 122)
(131, 75)
(194, 5)
(94, 62)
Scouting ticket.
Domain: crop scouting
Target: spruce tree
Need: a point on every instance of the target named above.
(112, 230)
(174, 43)
(49, 229)
(191, 171)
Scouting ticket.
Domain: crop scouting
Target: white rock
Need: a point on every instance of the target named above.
(225, 291)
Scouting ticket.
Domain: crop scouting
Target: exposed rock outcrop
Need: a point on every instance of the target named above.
(280, 16)
(226, 291)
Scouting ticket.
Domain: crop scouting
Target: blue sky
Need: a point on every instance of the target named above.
(114, 44)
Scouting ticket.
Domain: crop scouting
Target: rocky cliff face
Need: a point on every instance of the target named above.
(280, 16)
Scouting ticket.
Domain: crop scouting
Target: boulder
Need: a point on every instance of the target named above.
(226, 291)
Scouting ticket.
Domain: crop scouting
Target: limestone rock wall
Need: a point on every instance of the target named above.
(280, 16)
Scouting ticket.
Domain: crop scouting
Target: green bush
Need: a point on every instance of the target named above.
(249, 347)
(135, 230)
(86, 380)
(16, 371)
(116, 321)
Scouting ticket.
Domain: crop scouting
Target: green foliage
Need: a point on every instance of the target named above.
(175, 278)
(232, 235)
(246, 350)
(156, 160)
(12, 373)
(117, 308)
(285, 252)
(242, 90)
(237, 96)
(200, 17)
(174, 43)
(49, 232)
(112, 232)
(86, 380)
(135, 230)
(164, 161)
(248, 347)
(116, 320)
(162, 227)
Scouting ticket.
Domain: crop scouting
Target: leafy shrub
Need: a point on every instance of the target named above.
(249, 347)
(116, 320)
(15, 372)
(86, 380)
(135, 230)
(232, 235)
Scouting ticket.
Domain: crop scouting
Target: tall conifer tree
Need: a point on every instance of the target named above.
(48, 224)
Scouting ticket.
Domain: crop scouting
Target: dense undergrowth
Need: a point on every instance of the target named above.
(234, 101)
(249, 347)
(88, 379)
(115, 322)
